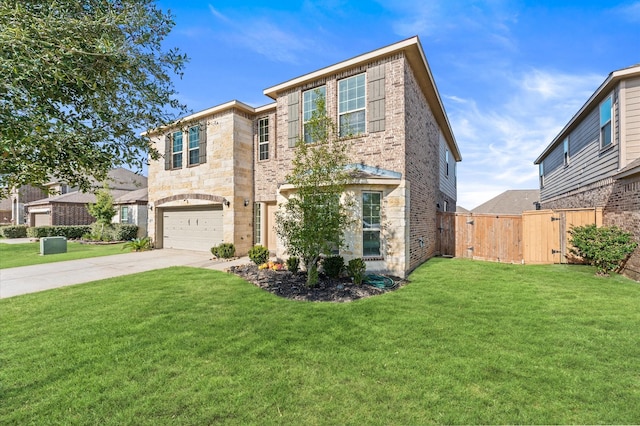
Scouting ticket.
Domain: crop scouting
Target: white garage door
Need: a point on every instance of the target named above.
(192, 228)
(41, 219)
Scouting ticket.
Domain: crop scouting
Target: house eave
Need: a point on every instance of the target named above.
(605, 88)
(234, 104)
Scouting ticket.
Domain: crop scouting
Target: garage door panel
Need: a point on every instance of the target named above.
(192, 229)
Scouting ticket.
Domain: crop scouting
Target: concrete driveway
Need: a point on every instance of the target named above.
(30, 279)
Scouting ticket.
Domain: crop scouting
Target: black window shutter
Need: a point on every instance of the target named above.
(167, 151)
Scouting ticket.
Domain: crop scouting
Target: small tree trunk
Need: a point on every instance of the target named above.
(312, 272)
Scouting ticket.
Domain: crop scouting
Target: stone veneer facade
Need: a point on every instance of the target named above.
(227, 175)
(405, 150)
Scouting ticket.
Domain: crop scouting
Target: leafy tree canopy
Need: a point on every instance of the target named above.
(80, 80)
(102, 210)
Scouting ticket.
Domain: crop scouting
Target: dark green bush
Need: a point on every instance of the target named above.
(259, 254)
(333, 266)
(70, 232)
(293, 264)
(356, 269)
(606, 247)
(224, 250)
(19, 231)
(125, 232)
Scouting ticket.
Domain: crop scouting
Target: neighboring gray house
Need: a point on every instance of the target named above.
(131, 207)
(513, 201)
(595, 160)
(224, 171)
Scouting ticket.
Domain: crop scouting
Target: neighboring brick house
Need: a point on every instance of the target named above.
(224, 170)
(595, 160)
(68, 206)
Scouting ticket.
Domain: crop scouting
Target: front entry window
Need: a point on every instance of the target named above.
(371, 224)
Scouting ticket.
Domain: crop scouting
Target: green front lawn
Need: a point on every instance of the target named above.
(13, 255)
(464, 343)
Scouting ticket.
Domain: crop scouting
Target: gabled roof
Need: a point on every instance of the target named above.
(133, 196)
(602, 92)
(76, 197)
(513, 201)
(412, 49)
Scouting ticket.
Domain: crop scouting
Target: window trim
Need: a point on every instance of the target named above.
(123, 209)
(565, 151)
(191, 149)
(353, 111)
(372, 229)
(541, 173)
(175, 152)
(257, 223)
(263, 138)
(446, 159)
(323, 90)
(608, 99)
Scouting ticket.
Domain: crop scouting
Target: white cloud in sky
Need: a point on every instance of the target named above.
(256, 31)
(499, 142)
(630, 12)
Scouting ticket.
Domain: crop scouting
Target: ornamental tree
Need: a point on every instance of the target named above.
(313, 219)
(80, 80)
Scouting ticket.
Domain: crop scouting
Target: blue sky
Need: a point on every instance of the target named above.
(510, 73)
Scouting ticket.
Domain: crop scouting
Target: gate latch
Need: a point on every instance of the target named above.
(553, 219)
(555, 251)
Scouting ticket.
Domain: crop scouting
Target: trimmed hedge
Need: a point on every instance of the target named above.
(119, 232)
(13, 231)
(72, 232)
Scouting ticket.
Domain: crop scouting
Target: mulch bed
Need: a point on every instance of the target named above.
(293, 286)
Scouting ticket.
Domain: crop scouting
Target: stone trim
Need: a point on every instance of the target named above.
(192, 196)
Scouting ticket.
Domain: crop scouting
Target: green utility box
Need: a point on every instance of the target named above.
(53, 245)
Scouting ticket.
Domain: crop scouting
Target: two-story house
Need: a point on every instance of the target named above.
(595, 160)
(224, 169)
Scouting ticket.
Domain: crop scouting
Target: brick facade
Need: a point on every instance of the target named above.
(621, 202)
(623, 210)
(401, 146)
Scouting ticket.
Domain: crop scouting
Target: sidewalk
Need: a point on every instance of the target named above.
(30, 279)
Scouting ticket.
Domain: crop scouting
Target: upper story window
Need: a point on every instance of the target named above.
(351, 105)
(194, 145)
(176, 150)
(541, 173)
(192, 140)
(446, 160)
(310, 101)
(605, 123)
(565, 148)
(263, 139)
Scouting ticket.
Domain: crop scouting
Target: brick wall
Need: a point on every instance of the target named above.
(623, 210)
(70, 214)
(422, 171)
(621, 202)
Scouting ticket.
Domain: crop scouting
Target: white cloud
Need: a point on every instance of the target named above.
(630, 13)
(256, 31)
(500, 141)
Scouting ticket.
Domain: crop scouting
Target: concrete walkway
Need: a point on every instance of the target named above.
(30, 279)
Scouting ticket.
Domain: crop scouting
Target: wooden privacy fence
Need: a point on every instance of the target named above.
(539, 236)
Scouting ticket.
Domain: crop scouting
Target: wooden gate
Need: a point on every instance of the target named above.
(546, 233)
